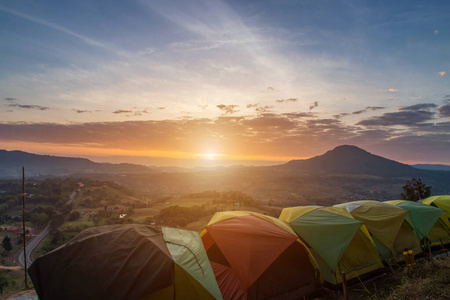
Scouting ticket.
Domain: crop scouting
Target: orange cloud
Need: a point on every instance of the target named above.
(442, 73)
(392, 90)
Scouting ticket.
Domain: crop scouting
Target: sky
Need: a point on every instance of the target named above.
(220, 82)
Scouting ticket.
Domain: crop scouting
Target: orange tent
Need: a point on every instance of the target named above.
(254, 256)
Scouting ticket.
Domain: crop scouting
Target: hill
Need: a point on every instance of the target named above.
(11, 163)
(348, 159)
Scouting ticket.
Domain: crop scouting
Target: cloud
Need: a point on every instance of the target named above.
(393, 90)
(436, 31)
(358, 112)
(259, 108)
(140, 112)
(338, 116)
(406, 118)
(444, 110)
(314, 105)
(418, 106)
(78, 111)
(390, 98)
(228, 109)
(36, 107)
(286, 100)
(203, 107)
(11, 99)
(268, 89)
(122, 111)
(415, 98)
(442, 73)
(375, 107)
(299, 115)
(163, 107)
(56, 27)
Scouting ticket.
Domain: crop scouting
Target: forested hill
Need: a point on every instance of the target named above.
(11, 163)
(348, 159)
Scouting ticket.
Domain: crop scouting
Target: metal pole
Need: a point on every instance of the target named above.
(23, 227)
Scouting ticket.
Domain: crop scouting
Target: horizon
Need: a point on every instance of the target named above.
(225, 81)
(198, 162)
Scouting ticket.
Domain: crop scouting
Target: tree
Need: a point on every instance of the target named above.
(3, 283)
(415, 190)
(6, 244)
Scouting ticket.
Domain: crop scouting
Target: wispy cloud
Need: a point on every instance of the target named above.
(228, 109)
(314, 105)
(79, 111)
(358, 112)
(405, 118)
(56, 27)
(375, 107)
(287, 100)
(36, 107)
(417, 107)
(122, 111)
(442, 73)
(393, 90)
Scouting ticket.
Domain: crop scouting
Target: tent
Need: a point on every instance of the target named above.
(441, 230)
(126, 262)
(339, 243)
(258, 257)
(386, 223)
(426, 221)
(442, 202)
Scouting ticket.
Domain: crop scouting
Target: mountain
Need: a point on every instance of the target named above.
(343, 174)
(11, 163)
(349, 159)
(432, 167)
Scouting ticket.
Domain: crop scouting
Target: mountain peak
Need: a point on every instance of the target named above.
(350, 159)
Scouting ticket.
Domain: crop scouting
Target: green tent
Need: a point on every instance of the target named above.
(339, 243)
(127, 262)
(442, 202)
(440, 233)
(424, 217)
(386, 223)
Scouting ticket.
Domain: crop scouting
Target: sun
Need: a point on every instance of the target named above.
(209, 156)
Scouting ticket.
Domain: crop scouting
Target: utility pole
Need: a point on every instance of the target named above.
(23, 227)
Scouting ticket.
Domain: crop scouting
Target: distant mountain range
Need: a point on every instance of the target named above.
(11, 163)
(344, 173)
(432, 167)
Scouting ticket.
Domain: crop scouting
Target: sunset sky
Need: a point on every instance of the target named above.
(225, 81)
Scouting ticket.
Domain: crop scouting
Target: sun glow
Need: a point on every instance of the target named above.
(209, 156)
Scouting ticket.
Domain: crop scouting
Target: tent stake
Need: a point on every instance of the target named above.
(429, 249)
(443, 248)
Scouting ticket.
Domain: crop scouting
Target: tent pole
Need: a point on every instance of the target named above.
(23, 227)
(344, 286)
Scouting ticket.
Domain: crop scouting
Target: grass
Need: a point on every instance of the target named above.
(428, 279)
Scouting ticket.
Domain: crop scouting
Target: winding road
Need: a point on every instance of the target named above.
(34, 242)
